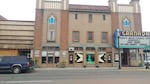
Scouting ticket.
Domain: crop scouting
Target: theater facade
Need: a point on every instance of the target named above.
(83, 35)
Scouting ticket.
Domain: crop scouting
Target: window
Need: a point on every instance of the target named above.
(76, 16)
(101, 49)
(44, 48)
(5, 59)
(79, 48)
(51, 48)
(44, 54)
(75, 36)
(90, 49)
(0, 59)
(51, 28)
(50, 60)
(50, 55)
(56, 60)
(79, 57)
(90, 58)
(52, 20)
(51, 36)
(126, 23)
(90, 37)
(104, 37)
(104, 17)
(90, 18)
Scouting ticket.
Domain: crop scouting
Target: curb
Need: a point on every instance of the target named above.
(75, 68)
(101, 68)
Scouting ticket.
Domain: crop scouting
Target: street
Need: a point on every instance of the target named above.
(78, 76)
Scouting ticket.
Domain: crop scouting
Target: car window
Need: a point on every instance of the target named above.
(0, 59)
(19, 59)
(6, 59)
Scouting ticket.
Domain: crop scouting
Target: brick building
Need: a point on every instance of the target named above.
(81, 34)
(78, 35)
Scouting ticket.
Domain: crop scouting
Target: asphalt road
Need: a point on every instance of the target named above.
(77, 76)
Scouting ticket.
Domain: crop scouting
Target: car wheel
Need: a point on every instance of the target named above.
(16, 70)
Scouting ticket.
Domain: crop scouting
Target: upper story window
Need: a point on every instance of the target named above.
(90, 36)
(104, 17)
(104, 37)
(126, 23)
(51, 36)
(52, 20)
(90, 18)
(51, 29)
(75, 36)
(76, 16)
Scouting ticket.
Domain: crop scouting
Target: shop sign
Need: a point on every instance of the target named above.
(101, 57)
(133, 41)
(37, 53)
(134, 33)
(79, 57)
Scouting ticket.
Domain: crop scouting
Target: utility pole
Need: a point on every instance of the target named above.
(119, 66)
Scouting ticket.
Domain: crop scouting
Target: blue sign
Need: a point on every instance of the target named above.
(116, 36)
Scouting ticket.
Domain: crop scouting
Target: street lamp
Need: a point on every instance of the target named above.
(119, 66)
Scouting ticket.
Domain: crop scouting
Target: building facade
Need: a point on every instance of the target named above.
(16, 37)
(74, 35)
(82, 35)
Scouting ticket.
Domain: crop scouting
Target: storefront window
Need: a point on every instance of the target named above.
(43, 60)
(90, 59)
(50, 55)
(44, 54)
(79, 48)
(70, 58)
(109, 58)
(56, 60)
(50, 58)
(101, 49)
(79, 57)
(90, 49)
(101, 57)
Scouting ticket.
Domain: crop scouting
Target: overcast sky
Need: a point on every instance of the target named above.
(25, 9)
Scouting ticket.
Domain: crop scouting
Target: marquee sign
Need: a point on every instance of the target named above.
(134, 33)
(131, 39)
(133, 42)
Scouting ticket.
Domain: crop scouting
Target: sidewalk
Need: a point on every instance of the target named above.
(134, 69)
(100, 68)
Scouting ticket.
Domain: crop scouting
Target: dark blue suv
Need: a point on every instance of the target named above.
(16, 64)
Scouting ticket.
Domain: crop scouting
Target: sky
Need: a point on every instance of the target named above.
(25, 9)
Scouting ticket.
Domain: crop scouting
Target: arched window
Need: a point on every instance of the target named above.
(126, 23)
(51, 20)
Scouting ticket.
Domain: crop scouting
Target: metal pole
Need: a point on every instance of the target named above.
(119, 67)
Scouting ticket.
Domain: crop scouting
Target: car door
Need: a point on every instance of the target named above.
(4, 63)
(1, 63)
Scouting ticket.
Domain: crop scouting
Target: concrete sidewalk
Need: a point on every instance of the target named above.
(100, 68)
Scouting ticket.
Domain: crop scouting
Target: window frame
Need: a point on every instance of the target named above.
(104, 38)
(74, 36)
(104, 17)
(90, 18)
(51, 36)
(76, 16)
(92, 36)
